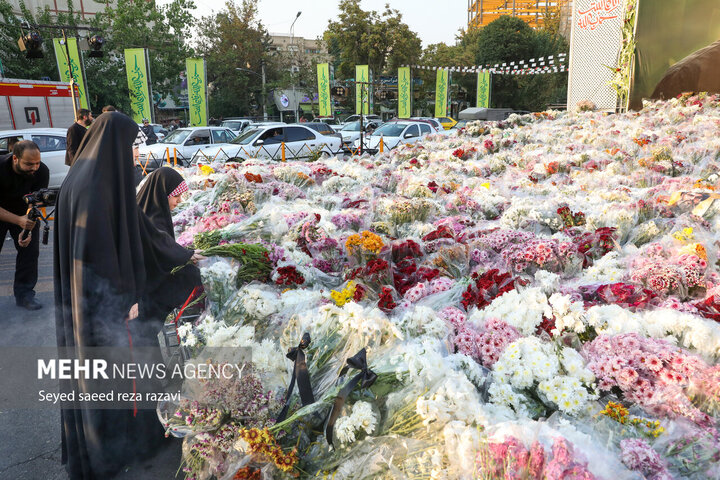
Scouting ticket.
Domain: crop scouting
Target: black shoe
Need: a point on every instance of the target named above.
(29, 303)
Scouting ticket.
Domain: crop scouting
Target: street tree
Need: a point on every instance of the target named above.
(359, 37)
(235, 38)
(163, 30)
(14, 62)
(510, 39)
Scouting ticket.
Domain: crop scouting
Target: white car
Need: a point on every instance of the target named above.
(394, 134)
(350, 132)
(237, 125)
(266, 142)
(182, 144)
(435, 123)
(366, 118)
(52, 143)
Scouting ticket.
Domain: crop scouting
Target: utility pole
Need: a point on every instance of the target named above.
(264, 95)
(292, 71)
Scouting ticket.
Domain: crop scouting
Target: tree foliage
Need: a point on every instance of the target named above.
(359, 37)
(15, 64)
(235, 38)
(129, 24)
(510, 39)
(163, 30)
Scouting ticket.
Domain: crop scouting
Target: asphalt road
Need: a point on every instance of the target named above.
(30, 445)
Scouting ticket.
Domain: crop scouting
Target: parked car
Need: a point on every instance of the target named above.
(366, 118)
(266, 142)
(394, 134)
(436, 125)
(322, 128)
(334, 123)
(237, 125)
(264, 124)
(52, 143)
(460, 124)
(446, 122)
(351, 132)
(182, 143)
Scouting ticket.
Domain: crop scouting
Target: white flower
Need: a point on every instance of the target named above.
(521, 309)
(568, 315)
(423, 321)
(362, 418)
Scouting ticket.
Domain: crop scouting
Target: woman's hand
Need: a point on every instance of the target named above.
(133, 313)
(197, 257)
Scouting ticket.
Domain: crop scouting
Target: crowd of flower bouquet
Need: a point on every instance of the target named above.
(536, 298)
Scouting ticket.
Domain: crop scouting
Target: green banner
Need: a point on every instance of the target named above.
(404, 93)
(483, 90)
(362, 90)
(61, 55)
(139, 83)
(197, 92)
(324, 102)
(441, 92)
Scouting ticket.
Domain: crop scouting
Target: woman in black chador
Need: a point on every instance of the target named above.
(157, 197)
(107, 252)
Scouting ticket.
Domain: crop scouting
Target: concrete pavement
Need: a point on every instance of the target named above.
(30, 445)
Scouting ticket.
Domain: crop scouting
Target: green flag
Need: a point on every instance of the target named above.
(441, 92)
(139, 83)
(197, 91)
(404, 93)
(62, 62)
(483, 90)
(362, 76)
(324, 103)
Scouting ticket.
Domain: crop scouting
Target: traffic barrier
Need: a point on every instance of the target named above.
(282, 147)
(382, 145)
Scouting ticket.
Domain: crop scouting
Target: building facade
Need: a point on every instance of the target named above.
(86, 9)
(294, 47)
(533, 12)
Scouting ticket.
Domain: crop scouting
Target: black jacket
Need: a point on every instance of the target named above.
(75, 134)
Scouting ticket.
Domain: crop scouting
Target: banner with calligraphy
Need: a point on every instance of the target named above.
(138, 76)
(61, 55)
(197, 92)
(441, 92)
(404, 93)
(362, 89)
(484, 80)
(324, 101)
(595, 44)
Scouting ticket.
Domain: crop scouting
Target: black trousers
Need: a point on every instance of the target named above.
(26, 262)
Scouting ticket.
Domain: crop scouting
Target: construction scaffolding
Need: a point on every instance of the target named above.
(533, 12)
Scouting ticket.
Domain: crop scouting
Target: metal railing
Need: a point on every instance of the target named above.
(172, 157)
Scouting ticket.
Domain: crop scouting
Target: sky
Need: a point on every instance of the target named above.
(433, 20)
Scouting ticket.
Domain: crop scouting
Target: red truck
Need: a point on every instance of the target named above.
(34, 104)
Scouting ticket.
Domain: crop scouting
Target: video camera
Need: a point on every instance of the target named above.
(40, 198)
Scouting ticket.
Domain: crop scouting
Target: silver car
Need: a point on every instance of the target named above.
(52, 144)
(297, 141)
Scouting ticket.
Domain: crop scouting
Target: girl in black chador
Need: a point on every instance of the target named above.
(108, 256)
(157, 197)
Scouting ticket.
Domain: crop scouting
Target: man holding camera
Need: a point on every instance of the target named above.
(21, 174)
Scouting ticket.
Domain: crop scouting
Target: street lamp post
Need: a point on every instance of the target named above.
(292, 71)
